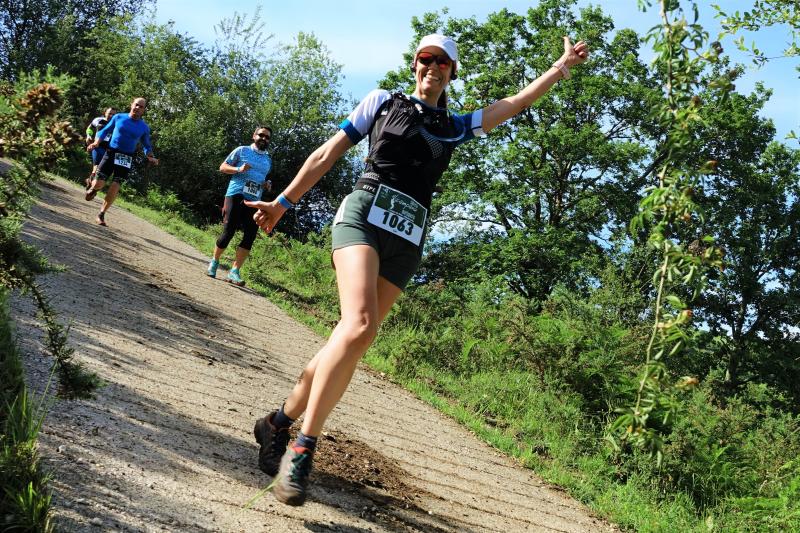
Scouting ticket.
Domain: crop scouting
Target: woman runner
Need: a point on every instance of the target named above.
(378, 231)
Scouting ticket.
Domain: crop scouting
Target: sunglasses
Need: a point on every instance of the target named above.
(426, 58)
(265, 136)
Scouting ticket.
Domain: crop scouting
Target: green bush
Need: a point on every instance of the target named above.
(158, 199)
(482, 330)
(550, 380)
(775, 509)
(459, 333)
(720, 451)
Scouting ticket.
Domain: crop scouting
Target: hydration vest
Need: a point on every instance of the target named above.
(410, 146)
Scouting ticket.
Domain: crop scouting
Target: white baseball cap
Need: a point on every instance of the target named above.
(445, 43)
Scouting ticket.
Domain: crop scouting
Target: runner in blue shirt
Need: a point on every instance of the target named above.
(126, 131)
(248, 167)
(378, 232)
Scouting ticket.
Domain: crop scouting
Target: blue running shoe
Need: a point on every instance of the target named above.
(212, 268)
(235, 278)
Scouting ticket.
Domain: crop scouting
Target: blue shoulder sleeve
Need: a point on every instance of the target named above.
(471, 122)
(233, 157)
(357, 123)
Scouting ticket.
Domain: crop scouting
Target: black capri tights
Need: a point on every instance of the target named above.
(236, 215)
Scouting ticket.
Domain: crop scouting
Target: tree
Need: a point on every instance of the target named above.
(753, 210)
(533, 202)
(304, 107)
(171, 70)
(50, 32)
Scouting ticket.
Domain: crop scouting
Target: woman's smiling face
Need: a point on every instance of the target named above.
(433, 69)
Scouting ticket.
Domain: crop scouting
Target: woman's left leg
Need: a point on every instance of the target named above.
(365, 298)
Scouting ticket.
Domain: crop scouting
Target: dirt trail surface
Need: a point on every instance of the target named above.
(190, 362)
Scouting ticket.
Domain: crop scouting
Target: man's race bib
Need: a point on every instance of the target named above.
(398, 213)
(123, 160)
(252, 188)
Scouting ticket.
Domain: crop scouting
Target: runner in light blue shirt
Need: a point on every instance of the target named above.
(248, 167)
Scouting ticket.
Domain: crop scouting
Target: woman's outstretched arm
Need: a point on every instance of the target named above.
(504, 109)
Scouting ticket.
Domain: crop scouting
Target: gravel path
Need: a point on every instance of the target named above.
(191, 362)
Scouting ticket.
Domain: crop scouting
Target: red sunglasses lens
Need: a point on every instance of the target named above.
(427, 58)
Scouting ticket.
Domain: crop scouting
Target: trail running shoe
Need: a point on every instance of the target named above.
(235, 278)
(212, 268)
(101, 218)
(90, 193)
(293, 475)
(273, 442)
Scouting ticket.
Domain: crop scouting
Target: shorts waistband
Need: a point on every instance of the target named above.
(369, 182)
(118, 151)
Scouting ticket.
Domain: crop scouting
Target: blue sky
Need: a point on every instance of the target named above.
(368, 37)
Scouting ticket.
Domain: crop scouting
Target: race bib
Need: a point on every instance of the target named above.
(123, 160)
(398, 213)
(252, 188)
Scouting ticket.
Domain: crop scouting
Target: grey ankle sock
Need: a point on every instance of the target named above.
(304, 441)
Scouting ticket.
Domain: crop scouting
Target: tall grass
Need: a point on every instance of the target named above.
(24, 497)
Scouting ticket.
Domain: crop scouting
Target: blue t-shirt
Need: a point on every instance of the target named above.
(250, 182)
(126, 133)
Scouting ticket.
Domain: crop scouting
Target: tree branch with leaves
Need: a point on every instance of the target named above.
(672, 217)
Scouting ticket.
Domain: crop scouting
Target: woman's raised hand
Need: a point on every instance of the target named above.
(574, 55)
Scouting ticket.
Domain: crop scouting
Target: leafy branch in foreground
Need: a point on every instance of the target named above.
(765, 13)
(668, 212)
(34, 140)
(32, 136)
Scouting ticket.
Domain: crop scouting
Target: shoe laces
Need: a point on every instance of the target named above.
(301, 465)
(280, 438)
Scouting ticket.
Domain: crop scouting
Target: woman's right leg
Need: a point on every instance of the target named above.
(387, 293)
